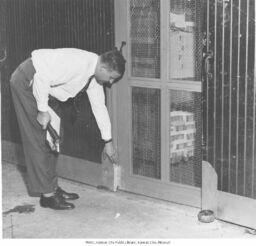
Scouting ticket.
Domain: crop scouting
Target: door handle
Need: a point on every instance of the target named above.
(122, 45)
(207, 56)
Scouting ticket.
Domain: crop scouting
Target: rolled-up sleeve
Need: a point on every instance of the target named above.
(41, 90)
(97, 100)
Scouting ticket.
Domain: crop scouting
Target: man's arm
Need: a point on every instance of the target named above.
(97, 99)
(41, 93)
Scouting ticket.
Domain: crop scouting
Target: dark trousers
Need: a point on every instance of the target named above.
(40, 161)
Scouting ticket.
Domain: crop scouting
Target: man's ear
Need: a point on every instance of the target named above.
(104, 66)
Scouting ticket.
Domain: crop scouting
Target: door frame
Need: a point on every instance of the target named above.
(121, 94)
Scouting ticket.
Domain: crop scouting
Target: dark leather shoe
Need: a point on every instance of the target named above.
(66, 195)
(55, 202)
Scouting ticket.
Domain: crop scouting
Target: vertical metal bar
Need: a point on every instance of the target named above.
(128, 44)
(8, 41)
(96, 18)
(230, 93)
(96, 32)
(222, 91)
(238, 91)
(84, 19)
(36, 22)
(129, 86)
(87, 23)
(103, 6)
(246, 88)
(72, 33)
(16, 31)
(107, 27)
(75, 28)
(78, 23)
(207, 79)
(15, 28)
(20, 37)
(98, 23)
(215, 85)
(42, 39)
(43, 34)
(95, 22)
(103, 24)
(29, 22)
(254, 117)
(25, 23)
(39, 23)
(33, 22)
(90, 24)
(165, 93)
(67, 22)
(54, 13)
(21, 43)
(112, 17)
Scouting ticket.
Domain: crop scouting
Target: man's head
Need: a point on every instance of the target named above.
(110, 67)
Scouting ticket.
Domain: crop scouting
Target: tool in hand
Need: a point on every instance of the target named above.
(55, 138)
(112, 169)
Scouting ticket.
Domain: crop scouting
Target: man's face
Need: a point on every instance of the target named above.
(105, 76)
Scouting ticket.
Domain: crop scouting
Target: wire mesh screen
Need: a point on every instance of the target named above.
(145, 38)
(146, 132)
(185, 39)
(185, 137)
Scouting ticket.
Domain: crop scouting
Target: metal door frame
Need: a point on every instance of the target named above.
(161, 189)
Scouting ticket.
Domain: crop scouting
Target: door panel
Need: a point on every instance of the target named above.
(151, 95)
(144, 19)
(185, 137)
(229, 90)
(146, 132)
(185, 33)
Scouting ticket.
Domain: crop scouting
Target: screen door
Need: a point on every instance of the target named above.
(159, 98)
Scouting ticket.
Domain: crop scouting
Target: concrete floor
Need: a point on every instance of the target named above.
(101, 214)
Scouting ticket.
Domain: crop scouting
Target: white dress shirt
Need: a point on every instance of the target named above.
(62, 73)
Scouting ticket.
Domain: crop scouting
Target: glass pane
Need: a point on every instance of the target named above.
(145, 38)
(146, 123)
(185, 137)
(185, 39)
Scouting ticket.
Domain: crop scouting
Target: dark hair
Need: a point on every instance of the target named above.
(114, 61)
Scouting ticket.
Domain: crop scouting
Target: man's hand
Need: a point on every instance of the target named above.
(111, 152)
(43, 119)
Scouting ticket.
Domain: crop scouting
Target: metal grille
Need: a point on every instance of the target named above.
(145, 38)
(185, 39)
(146, 132)
(229, 91)
(185, 137)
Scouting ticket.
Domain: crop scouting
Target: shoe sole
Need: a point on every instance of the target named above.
(46, 206)
(70, 199)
